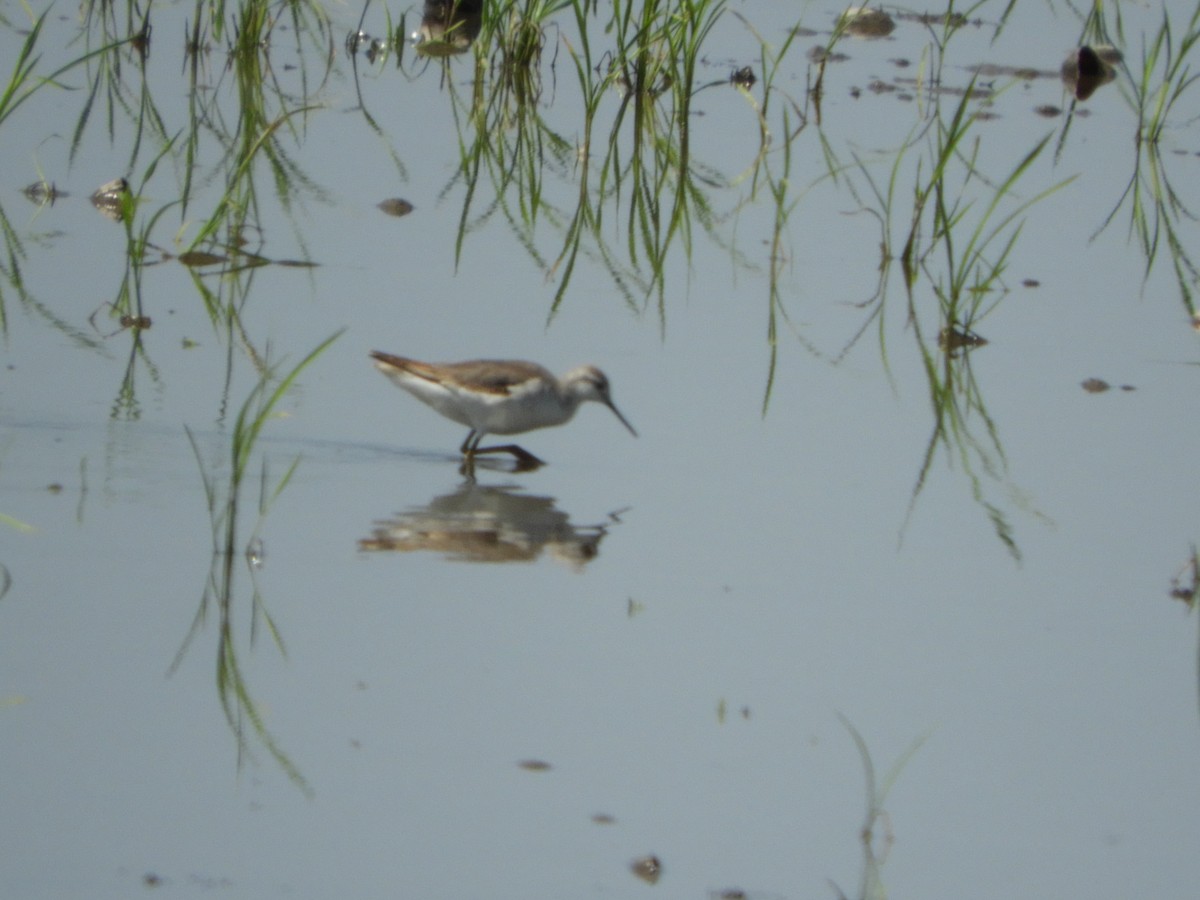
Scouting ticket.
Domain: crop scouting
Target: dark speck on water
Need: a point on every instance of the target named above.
(396, 207)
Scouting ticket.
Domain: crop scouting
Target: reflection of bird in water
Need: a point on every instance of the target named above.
(492, 525)
(498, 396)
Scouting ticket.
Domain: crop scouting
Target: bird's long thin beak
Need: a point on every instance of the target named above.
(624, 421)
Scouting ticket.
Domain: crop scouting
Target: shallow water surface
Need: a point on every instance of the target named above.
(892, 594)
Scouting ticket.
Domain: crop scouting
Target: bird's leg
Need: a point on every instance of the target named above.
(467, 448)
(467, 469)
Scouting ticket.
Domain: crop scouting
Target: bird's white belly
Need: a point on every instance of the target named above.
(448, 403)
(516, 413)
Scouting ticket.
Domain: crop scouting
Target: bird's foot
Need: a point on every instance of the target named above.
(526, 461)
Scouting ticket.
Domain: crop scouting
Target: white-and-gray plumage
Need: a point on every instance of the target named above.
(498, 396)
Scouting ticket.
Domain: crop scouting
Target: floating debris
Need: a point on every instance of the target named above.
(604, 819)
(448, 27)
(194, 259)
(1099, 386)
(648, 868)
(356, 39)
(952, 338)
(535, 765)
(995, 70)
(141, 41)
(825, 55)
(394, 206)
(1186, 591)
(1088, 68)
(743, 77)
(256, 553)
(109, 198)
(375, 47)
(949, 19)
(863, 22)
(43, 192)
(125, 320)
